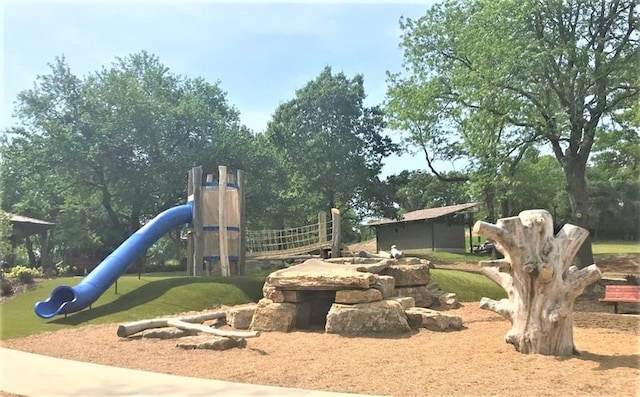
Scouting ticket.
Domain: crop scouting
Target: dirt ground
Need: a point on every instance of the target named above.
(475, 361)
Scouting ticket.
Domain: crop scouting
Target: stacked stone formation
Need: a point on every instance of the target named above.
(345, 298)
(411, 276)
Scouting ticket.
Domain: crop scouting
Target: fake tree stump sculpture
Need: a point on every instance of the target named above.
(539, 279)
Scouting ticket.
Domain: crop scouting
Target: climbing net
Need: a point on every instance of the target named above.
(295, 238)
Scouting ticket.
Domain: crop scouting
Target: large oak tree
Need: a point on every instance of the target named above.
(552, 71)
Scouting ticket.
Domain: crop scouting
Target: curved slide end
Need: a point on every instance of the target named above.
(60, 297)
(65, 299)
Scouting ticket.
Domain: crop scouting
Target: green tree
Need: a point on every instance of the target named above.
(614, 179)
(102, 154)
(416, 190)
(331, 145)
(553, 71)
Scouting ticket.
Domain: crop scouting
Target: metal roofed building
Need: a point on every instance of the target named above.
(434, 229)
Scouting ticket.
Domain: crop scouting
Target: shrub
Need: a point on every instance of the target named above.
(6, 289)
(62, 269)
(25, 274)
(632, 279)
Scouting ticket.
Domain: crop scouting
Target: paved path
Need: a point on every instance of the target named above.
(30, 374)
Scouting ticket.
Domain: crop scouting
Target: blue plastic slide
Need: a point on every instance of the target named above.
(65, 299)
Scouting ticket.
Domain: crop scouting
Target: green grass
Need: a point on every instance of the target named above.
(616, 247)
(449, 257)
(599, 248)
(469, 287)
(136, 299)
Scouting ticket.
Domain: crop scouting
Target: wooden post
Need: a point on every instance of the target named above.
(222, 222)
(198, 246)
(335, 233)
(44, 251)
(322, 227)
(243, 224)
(190, 266)
(470, 225)
(208, 264)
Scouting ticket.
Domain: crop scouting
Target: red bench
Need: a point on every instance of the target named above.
(621, 294)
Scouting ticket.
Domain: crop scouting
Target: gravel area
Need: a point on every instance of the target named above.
(474, 361)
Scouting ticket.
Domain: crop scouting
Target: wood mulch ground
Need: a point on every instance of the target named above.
(475, 361)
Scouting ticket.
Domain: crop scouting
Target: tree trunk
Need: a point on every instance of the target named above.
(29, 246)
(489, 194)
(576, 189)
(539, 279)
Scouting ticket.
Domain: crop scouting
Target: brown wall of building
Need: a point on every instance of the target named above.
(417, 236)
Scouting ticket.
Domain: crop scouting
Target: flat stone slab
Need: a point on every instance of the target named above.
(315, 274)
(433, 320)
(209, 342)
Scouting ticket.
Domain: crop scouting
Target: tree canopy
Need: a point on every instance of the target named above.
(330, 143)
(519, 72)
(491, 79)
(103, 153)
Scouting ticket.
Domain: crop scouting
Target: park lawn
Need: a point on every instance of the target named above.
(616, 247)
(469, 287)
(150, 297)
(601, 249)
(136, 299)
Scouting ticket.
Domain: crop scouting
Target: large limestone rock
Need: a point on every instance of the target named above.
(240, 317)
(352, 296)
(315, 274)
(408, 275)
(272, 293)
(210, 342)
(420, 295)
(387, 285)
(270, 316)
(387, 317)
(419, 317)
(405, 301)
(443, 300)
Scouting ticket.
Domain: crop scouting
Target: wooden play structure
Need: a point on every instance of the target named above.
(218, 237)
(217, 232)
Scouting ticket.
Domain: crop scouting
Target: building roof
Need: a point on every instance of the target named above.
(23, 226)
(428, 213)
(26, 219)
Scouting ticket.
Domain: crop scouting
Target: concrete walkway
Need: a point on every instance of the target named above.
(30, 374)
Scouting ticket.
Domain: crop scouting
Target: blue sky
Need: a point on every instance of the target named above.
(260, 51)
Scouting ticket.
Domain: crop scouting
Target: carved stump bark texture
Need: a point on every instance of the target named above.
(539, 279)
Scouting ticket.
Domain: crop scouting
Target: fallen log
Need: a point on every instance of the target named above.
(134, 327)
(381, 255)
(375, 267)
(173, 322)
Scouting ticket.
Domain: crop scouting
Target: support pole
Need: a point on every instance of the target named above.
(322, 227)
(335, 233)
(198, 241)
(243, 224)
(222, 222)
(190, 235)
